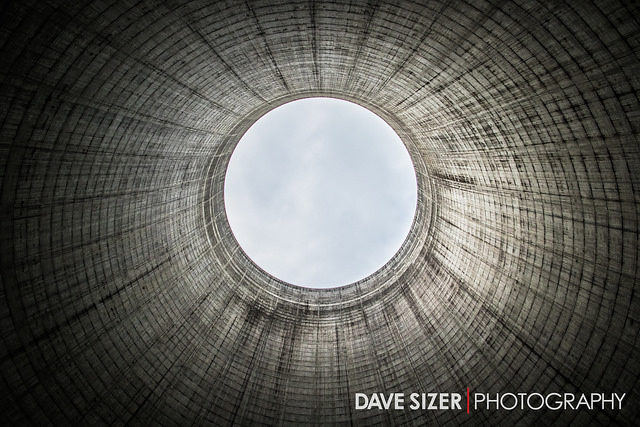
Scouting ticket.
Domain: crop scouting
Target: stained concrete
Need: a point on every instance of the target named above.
(125, 298)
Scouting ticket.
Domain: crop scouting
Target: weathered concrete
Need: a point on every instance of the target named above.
(126, 299)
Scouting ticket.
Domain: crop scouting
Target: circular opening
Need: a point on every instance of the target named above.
(320, 192)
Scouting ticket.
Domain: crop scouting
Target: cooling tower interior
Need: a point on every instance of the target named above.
(125, 298)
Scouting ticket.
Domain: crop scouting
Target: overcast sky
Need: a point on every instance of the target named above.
(320, 192)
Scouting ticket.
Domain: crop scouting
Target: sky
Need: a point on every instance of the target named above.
(320, 192)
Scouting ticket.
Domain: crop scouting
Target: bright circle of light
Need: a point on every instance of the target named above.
(320, 192)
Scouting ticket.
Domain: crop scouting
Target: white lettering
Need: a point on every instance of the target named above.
(455, 400)
(444, 401)
(432, 404)
(398, 401)
(583, 401)
(374, 402)
(415, 403)
(489, 401)
(477, 398)
(568, 402)
(558, 402)
(529, 401)
(619, 399)
(511, 395)
(359, 398)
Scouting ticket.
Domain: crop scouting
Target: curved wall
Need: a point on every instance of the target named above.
(125, 298)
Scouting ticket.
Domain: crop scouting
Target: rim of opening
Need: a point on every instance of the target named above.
(232, 259)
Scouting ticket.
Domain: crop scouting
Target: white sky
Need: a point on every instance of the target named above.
(320, 192)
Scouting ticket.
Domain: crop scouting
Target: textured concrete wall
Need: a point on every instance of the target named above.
(125, 299)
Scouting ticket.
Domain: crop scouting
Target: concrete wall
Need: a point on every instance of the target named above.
(125, 299)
